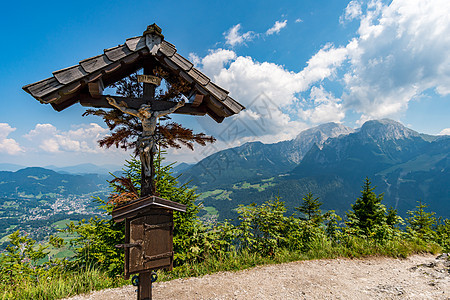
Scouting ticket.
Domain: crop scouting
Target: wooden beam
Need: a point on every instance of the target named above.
(96, 88)
(187, 109)
(197, 100)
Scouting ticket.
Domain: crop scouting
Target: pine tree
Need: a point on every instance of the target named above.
(368, 211)
(310, 208)
(421, 222)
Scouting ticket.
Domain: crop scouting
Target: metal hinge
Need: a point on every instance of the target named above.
(153, 257)
(157, 226)
(130, 245)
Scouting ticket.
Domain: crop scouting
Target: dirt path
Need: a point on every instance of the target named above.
(417, 277)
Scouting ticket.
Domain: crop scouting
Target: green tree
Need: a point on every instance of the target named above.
(97, 237)
(392, 217)
(368, 211)
(310, 208)
(20, 259)
(263, 229)
(421, 222)
(443, 234)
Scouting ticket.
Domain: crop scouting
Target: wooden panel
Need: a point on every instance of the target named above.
(157, 241)
(216, 91)
(136, 43)
(69, 75)
(198, 76)
(167, 49)
(116, 53)
(234, 106)
(95, 63)
(131, 209)
(43, 87)
(180, 61)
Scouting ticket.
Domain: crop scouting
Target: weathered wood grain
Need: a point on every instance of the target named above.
(69, 75)
(43, 87)
(119, 62)
(136, 43)
(95, 63)
(216, 91)
(96, 88)
(198, 76)
(117, 53)
(167, 49)
(181, 62)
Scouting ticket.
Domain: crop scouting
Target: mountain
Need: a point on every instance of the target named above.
(402, 164)
(332, 163)
(255, 160)
(181, 167)
(85, 169)
(10, 167)
(35, 181)
(374, 147)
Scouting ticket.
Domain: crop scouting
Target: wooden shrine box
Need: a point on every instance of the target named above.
(148, 233)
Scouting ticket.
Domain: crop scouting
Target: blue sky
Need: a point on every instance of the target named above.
(293, 64)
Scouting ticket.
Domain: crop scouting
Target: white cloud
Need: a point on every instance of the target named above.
(400, 52)
(276, 27)
(326, 108)
(233, 37)
(81, 139)
(445, 131)
(298, 20)
(8, 145)
(324, 63)
(270, 91)
(216, 60)
(352, 11)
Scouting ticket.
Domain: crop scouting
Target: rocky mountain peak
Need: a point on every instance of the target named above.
(386, 129)
(321, 133)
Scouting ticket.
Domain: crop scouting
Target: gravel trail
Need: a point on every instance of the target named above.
(417, 277)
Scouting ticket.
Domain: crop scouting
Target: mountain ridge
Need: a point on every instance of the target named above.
(405, 165)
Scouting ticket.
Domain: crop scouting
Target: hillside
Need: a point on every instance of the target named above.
(35, 181)
(253, 161)
(37, 199)
(332, 163)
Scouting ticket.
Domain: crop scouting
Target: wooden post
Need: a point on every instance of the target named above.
(145, 286)
(147, 183)
(148, 188)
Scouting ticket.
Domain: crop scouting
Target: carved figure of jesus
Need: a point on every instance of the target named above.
(149, 118)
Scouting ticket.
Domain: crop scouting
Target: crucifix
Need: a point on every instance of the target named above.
(146, 143)
(148, 220)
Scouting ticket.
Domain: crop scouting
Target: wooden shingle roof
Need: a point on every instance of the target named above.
(80, 82)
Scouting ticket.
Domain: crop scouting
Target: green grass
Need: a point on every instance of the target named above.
(60, 286)
(90, 279)
(209, 194)
(357, 248)
(62, 223)
(258, 186)
(211, 210)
